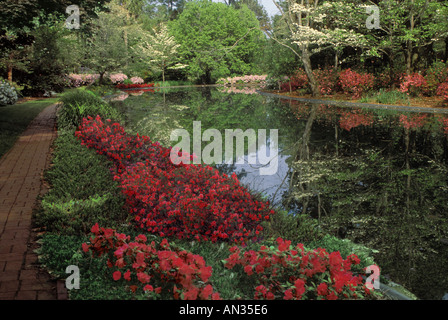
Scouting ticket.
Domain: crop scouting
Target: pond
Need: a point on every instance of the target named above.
(375, 176)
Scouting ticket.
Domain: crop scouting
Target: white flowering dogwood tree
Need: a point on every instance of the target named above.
(158, 50)
(317, 25)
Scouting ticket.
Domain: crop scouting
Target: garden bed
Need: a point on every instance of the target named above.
(139, 227)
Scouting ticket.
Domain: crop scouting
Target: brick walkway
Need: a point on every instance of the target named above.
(21, 172)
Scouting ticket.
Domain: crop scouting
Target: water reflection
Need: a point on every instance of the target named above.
(375, 176)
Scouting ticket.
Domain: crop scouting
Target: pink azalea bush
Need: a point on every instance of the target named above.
(248, 79)
(117, 78)
(137, 80)
(78, 80)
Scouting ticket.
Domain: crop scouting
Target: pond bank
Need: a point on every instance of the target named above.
(356, 104)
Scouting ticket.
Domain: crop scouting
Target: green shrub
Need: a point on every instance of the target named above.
(82, 190)
(8, 94)
(80, 103)
(298, 228)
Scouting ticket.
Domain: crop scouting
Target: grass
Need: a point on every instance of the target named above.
(14, 119)
(387, 97)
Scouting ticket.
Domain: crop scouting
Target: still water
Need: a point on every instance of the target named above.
(375, 176)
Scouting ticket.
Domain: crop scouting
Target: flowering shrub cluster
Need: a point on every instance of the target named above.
(248, 79)
(117, 78)
(355, 83)
(293, 273)
(78, 80)
(137, 80)
(413, 84)
(184, 201)
(331, 82)
(297, 81)
(154, 269)
(327, 80)
(442, 91)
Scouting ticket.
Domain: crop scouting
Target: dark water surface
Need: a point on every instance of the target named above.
(375, 176)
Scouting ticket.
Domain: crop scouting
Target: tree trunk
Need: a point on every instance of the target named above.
(309, 71)
(10, 73)
(101, 80)
(409, 47)
(446, 49)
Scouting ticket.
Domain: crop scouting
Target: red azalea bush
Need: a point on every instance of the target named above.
(154, 269)
(355, 83)
(186, 201)
(194, 202)
(298, 80)
(293, 273)
(442, 91)
(413, 84)
(122, 149)
(327, 80)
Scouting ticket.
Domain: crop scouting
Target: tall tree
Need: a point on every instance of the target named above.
(106, 49)
(216, 40)
(158, 50)
(408, 26)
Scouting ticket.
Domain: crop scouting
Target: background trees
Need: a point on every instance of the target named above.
(217, 40)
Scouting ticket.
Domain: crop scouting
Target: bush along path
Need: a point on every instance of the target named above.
(21, 172)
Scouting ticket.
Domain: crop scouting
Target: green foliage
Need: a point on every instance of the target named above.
(298, 228)
(82, 191)
(106, 49)
(80, 103)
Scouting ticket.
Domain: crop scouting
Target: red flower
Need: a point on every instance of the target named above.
(116, 275)
(322, 289)
(85, 247)
(95, 229)
(332, 296)
(148, 287)
(288, 295)
(206, 292)
(299, 285)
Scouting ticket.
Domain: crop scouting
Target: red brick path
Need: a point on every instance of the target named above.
(21, 172)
